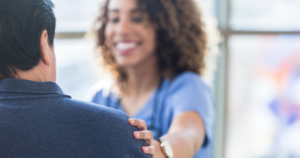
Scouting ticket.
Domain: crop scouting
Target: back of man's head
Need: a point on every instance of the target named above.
(21, 25)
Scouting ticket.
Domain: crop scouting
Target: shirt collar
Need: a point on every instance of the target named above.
(26, 86)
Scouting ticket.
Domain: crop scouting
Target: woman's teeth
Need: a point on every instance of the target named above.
(125, 46)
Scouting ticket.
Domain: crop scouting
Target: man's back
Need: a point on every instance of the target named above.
(38, 120)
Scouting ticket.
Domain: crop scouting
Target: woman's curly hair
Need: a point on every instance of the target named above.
(181, 43)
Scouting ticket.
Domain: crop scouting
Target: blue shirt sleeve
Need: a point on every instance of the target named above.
(189, 93)
(100, 94)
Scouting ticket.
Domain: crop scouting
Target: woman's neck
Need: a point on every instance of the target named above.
(143, 78)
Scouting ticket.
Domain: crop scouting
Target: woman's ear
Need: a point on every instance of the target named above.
(45, 48)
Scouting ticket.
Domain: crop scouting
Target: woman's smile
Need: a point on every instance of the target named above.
(126, 47)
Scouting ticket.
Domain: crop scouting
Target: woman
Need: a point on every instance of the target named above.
(155, 50)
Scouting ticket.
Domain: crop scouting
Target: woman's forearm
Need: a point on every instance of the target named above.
(186, 135)
(183, 144)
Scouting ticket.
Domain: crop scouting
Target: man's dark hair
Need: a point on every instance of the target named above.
(21, 25)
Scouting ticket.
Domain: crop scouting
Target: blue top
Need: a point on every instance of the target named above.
(186, 92)
(38, 120)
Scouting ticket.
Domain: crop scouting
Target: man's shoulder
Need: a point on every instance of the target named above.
(109, 123)
(97, 117)
(93, 109)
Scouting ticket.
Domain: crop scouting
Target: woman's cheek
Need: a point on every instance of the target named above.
(108, 32)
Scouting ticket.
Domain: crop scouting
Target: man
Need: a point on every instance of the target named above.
(36, 118)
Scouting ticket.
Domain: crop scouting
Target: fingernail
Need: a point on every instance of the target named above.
(132, 120)
(146, 150)
(137, 134)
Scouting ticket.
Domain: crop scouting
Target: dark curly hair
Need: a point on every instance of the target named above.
(181, 38)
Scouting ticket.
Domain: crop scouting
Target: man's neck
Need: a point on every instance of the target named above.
(33, 75)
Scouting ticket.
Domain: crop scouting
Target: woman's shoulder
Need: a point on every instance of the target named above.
(188, 92)
(188, 81)
(99, 91)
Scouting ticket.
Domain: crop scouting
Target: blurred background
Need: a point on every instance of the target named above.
(256, 85)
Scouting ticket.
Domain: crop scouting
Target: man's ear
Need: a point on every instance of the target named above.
(45, 48)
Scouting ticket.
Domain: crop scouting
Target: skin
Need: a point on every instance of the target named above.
(127, 24)
(187, 132)
(46, 68)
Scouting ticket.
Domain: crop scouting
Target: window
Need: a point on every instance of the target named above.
(264, 105)
(76, 66)
(265, 15)
(261, 97)
(75, 15)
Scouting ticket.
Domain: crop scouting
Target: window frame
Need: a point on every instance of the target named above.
(221, 85)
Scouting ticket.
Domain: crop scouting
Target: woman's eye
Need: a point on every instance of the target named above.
(114, 20)
(137, 19)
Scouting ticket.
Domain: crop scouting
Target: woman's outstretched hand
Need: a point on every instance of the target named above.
(145, 135)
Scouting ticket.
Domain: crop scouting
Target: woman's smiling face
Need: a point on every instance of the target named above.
(128, 33)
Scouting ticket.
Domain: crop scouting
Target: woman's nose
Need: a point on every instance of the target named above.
(123, 28)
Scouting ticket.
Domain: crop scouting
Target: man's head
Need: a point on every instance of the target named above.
(27, 29)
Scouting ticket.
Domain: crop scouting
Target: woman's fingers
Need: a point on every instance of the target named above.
(145, 135)
(149, 150)
(141, 124)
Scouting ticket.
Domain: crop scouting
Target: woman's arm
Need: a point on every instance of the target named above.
(186, 135)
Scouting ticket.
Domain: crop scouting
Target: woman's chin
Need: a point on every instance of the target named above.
(125, 64)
